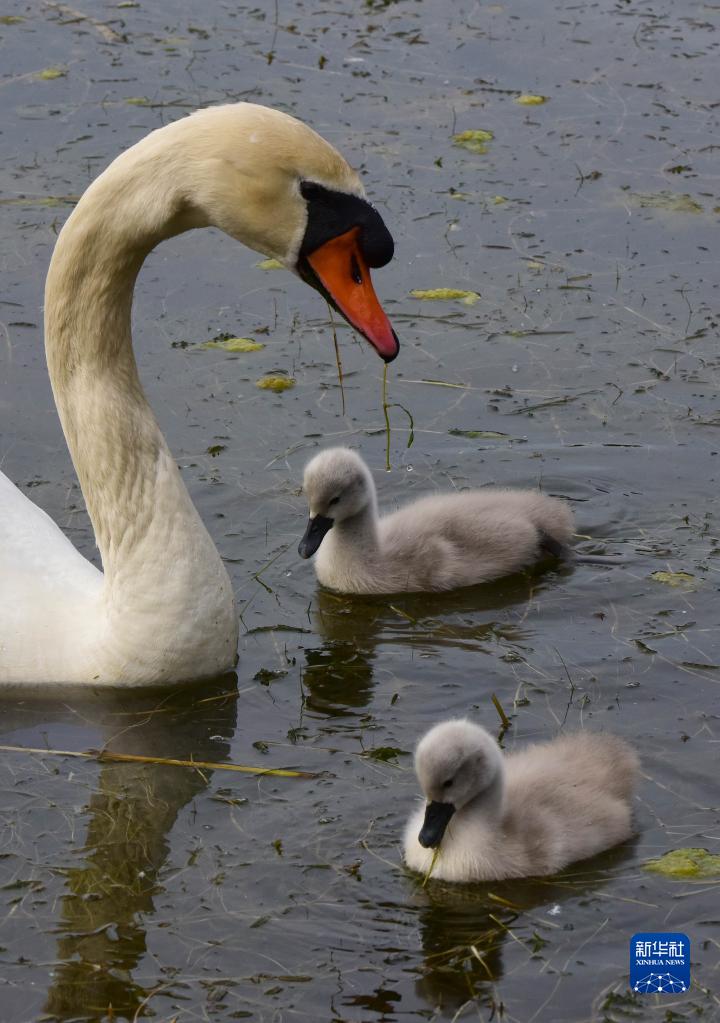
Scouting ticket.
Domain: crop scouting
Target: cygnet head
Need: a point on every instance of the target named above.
(338, 485)
(456, 762)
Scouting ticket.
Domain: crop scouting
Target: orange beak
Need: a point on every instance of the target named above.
(341, 269)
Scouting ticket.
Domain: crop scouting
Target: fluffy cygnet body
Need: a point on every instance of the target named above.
(441, 542)
(524, 814)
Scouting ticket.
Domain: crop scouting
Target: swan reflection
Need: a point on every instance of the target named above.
(339, 675)
(468, 931)
(112, 871)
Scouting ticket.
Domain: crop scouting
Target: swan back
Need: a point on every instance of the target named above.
(40, 571)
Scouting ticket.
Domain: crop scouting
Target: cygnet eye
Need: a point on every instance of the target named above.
(448, 783)
(334, 501)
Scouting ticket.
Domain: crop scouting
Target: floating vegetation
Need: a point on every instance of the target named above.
(275, 382)
(478, 434)
(673, 578)
(267, 675)
(529, 99)
(385, 753)
(475, 140)
(50, 73)
(270, 264)
(233, 344)
(438, 383)
(673, 202)
(138, 101)
(215, 449)
(103, 755)
(11, 19)
(41, 200)
(683, 863)
(446, 295)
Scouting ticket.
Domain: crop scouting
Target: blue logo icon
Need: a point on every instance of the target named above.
(659, 963)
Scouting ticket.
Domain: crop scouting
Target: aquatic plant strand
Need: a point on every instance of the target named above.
(132, 758)
(338, 360)
(386, 406)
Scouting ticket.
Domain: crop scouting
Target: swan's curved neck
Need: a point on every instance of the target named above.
(150, 537)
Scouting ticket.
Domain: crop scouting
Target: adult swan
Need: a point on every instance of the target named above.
(162, 610)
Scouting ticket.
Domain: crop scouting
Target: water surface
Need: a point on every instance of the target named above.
(589, 366)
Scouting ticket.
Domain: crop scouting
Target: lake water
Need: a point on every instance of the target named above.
(588, 366)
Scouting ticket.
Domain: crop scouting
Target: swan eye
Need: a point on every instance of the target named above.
(448, 783)
(334, 501)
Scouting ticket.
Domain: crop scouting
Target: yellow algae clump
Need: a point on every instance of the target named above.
(673, 578)
(270, 264)
(527, 99)
(446, 294)
(234, 344)
(50, 73)
(275, 382)
(683, 863)
(673, 202)
(475, 140)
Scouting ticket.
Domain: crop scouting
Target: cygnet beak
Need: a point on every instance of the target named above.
(317, 527)
(437, 818)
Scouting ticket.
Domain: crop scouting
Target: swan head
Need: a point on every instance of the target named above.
(273, 183)
(338, 486)
(456, 762)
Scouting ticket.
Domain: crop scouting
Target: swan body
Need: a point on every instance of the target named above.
(440, 542)
(527, 813)
(162, 609)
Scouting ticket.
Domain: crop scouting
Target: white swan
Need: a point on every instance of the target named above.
(437, 543)
(527, 813)
(162, 610)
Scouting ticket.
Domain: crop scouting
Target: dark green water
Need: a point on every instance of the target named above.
(591, 359)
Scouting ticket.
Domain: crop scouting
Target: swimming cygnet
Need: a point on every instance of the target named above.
(523, 814)
(440, 542)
